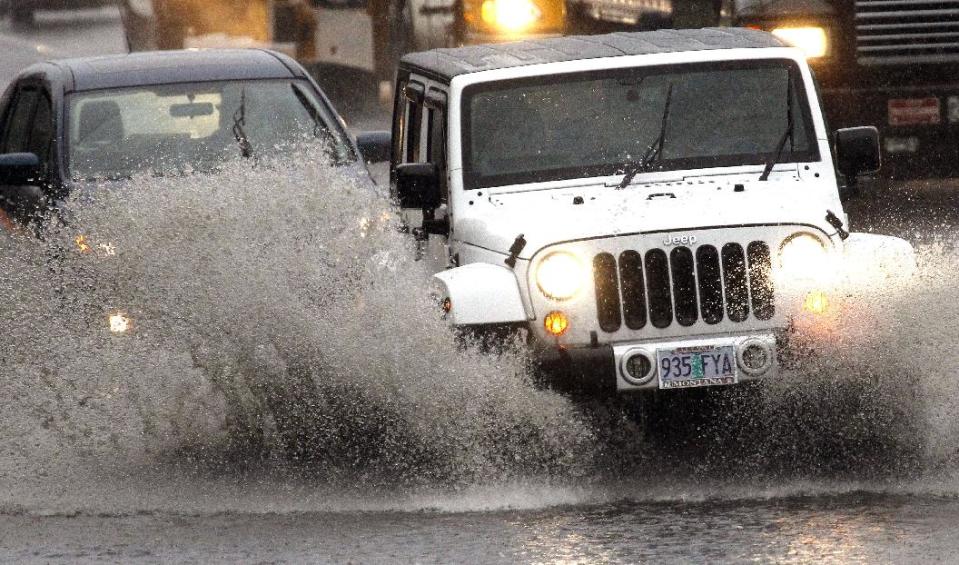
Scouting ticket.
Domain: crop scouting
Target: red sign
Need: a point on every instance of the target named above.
(915, 111)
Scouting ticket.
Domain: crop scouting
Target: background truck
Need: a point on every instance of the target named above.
(351, 47)
(888, 63)
(283, 25)
(362, 34)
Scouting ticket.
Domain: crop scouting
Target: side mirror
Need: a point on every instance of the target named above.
(857, 152)
(418, 186)
(375, 146)
(19, 169)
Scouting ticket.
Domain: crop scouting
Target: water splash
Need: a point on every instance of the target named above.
(271, 308)
(282, 332)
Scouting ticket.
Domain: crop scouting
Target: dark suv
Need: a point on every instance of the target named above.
(67, 123)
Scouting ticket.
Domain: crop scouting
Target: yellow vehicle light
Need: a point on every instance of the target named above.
(556, 323)
(816, 302)
(120, 323)
(82, 245)
(812, 40)
(510, 15)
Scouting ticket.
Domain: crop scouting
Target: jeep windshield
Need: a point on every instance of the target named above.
(172, 129)
(597, 123)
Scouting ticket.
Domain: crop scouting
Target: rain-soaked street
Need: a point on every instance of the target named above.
(123, 450)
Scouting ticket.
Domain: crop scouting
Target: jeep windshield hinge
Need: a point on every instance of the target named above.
(836, 223)
(518, 245)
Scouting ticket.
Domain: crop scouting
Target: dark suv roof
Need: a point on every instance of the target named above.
(168, 67)
(448, 63)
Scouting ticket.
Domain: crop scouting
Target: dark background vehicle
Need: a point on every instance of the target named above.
(892, 64)
(65, 122)
(888, 63)
(78, 125)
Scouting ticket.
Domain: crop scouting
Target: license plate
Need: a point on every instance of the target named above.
(690, 367)
(915, 111)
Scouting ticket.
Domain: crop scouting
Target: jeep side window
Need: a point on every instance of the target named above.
(436, 138)
(16, 134)
(413, 119)
(400, 107)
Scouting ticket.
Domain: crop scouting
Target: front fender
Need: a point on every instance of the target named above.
(876, 261)
(481, 293)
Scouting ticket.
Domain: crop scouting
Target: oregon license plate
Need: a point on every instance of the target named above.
(690, 367)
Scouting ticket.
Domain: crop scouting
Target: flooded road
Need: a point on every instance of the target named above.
(840, 528)
(166, 447)
(844, 528)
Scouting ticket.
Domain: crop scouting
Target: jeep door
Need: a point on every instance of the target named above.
(422, 129)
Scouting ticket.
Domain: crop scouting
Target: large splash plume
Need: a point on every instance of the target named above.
(278, 318)
(271, 309)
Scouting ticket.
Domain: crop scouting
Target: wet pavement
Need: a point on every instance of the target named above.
(843, 528)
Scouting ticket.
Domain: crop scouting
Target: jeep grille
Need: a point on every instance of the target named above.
(906, 31)
(684, 287)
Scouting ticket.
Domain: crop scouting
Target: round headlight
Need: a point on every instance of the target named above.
(560, 275)
(802, 254)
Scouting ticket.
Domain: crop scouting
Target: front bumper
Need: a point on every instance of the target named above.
(601, 368)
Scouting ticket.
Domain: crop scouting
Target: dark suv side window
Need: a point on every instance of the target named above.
(41, 134)
(16, 133)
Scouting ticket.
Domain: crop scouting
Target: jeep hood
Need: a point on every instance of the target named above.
(549, 217)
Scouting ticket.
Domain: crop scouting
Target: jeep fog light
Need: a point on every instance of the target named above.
(755, 357)
(803, 256)
(560, 275)
(637, 368)
(556, 323)
(510, 15)
(811, 40)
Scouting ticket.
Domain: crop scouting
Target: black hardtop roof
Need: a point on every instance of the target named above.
(448, 63)
(168, 67)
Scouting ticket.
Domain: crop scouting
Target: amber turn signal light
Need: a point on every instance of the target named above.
(816, 302)
(556, 323)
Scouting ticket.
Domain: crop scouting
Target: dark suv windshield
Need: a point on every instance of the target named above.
(184, 127)
(593, 123)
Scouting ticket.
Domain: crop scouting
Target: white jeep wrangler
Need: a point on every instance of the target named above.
(658, 210)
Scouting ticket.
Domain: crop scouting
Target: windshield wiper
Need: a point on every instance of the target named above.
(239, 121)
(655, 149)
(787, 135)
(320, 129)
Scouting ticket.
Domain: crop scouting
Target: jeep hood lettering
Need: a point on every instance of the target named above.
(548, 218)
